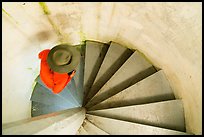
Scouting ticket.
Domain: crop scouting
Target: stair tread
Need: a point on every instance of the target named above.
(165, 114)
(42, 95)
(70, 93)
(68, 126)
(132, 71)
(114, 58)
(41, 124)
(41, 109)
(94, 55)
(79, 80)
(119, 127)
(151, 89)
(92, 129)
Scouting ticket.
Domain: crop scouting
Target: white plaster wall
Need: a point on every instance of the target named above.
(168, 34)
(22, 32)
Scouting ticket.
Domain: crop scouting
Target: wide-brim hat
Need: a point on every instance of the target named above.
(63, 58)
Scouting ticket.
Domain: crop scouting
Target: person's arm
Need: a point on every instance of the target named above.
(46, 74)
(60, 81)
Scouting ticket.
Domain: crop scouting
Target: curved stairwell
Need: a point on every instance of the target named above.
(115, 91)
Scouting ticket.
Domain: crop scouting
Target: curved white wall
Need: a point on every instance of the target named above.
(168, 34)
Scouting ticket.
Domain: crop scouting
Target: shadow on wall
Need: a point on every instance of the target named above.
(43, 36)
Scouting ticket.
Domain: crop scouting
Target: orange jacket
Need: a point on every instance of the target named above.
(53, 80)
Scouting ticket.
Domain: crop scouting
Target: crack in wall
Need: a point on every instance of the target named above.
(9, 15)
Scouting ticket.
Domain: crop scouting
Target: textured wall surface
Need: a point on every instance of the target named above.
(168, 34)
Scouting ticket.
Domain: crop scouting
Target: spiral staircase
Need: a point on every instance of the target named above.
(115, 90)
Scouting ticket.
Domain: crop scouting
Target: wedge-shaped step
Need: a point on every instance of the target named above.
(151, 89)
(114, 59)
(94, 55)
(79, 80)
(79, 75)
(42, 95)
(82, 131)
(92, 129)
(63, 122)
(119, 127)
(68, 93)
(132, 71)
(166, 114)
(41, 109)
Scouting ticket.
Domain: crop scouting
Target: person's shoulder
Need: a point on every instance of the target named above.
(43, 53)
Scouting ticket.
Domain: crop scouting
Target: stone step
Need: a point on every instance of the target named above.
(165, 114)
(94, 55)
(79, 75)
(151, 89)
(114, 59)
(79, 80)
(42, 109)
(92, 129)
(119, 127)
(132, 71)
(42, 95)
(71, 93)
(63, 122)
